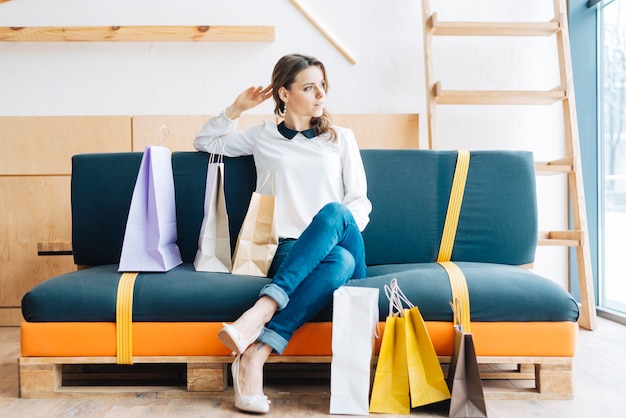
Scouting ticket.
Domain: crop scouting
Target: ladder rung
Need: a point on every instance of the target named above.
(499, 97)
(548, 168)
(560, 238)
(493, 28)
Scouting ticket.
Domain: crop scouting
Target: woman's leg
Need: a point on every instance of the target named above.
(332, 226)
(329, 252)
(313, 293)
(251, 368)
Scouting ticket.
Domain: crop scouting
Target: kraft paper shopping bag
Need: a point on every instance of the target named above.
(214, 241)
(258, 238)
(150, 237)
(355, 320)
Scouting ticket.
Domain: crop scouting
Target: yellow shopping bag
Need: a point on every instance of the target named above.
(426, 381)
(390, 392)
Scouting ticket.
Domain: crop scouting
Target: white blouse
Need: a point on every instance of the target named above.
(310, 172)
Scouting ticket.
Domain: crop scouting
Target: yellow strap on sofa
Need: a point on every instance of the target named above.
(454, 206)
(460, 294)
(124, 318)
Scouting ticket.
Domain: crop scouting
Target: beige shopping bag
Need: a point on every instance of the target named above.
(258, 238)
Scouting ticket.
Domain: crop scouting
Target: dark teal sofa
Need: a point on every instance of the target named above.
(515, 313)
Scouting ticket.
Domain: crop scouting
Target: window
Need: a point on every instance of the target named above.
(612, 155)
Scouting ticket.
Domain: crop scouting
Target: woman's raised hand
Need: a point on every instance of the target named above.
(249, 98)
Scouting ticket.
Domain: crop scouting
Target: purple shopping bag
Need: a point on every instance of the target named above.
(150, 237)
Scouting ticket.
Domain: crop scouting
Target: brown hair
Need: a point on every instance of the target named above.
(284, 74)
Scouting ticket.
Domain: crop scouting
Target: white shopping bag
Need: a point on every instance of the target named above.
(214, 242)
(355, 320)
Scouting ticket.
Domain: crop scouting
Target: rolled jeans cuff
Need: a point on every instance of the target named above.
(274, 340)
(275, 293)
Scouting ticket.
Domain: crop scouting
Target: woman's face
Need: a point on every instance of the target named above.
(306, 95)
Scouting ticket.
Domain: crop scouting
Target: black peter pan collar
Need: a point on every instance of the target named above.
(290, 133)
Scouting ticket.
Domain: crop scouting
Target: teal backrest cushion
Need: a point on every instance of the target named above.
(409, 190)
(102, 187)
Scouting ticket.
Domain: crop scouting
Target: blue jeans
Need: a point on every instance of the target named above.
(329, 252)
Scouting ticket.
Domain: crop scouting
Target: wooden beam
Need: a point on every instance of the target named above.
(42, 377)
(323, 31)
(493, 28)
(572, 238)
(138, 34)
(562, 165)
(497, 97)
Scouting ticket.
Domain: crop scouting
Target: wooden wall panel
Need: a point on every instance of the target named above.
(34, 209)
(383, 131)
(182, 131)
(45, 144)
(391, 131)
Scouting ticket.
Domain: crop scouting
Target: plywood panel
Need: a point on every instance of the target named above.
(34, 209)
(10, 317)
(383, 131)
(45, 144)
(392, 131)
(182, 131)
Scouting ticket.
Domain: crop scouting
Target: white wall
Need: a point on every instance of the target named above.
(385, 37)
(197, 78)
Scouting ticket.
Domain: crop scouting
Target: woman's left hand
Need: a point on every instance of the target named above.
(249, 98)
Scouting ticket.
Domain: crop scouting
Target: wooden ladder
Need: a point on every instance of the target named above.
(569, 165)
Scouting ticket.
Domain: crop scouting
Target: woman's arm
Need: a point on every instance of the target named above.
(354, 180)
(219, 135)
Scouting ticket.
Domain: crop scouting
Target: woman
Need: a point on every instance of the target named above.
(322, 208)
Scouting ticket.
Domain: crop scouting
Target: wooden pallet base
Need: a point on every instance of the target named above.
(208, 377)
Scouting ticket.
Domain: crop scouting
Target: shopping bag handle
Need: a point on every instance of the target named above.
(397, 298)
(457, 313)
(161, 135)
(390, 291)
(217, 157)
(268, 175)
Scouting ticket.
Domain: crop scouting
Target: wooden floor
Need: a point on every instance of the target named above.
(600, 391)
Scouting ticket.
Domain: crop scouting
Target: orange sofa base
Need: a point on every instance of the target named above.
(98, 339)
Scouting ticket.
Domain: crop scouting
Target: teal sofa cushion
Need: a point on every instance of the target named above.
(497, 293)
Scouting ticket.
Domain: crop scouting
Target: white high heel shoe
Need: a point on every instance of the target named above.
(233, 339)
(249, 403)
